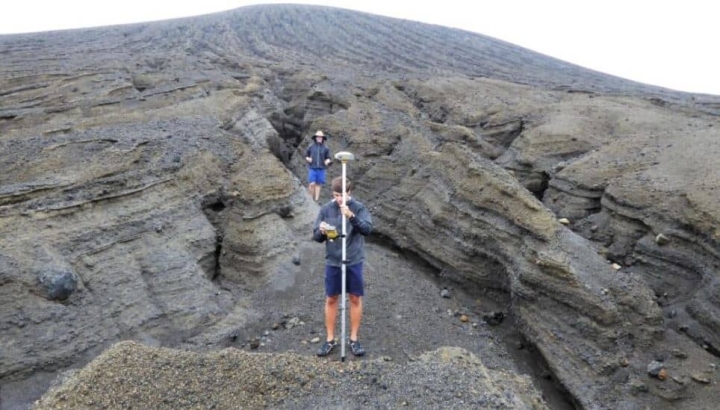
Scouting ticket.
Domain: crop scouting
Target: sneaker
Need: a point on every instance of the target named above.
(326, 348)
(356, 348)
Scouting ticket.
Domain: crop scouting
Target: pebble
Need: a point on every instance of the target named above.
(700, 379)
(679, 354)
(636, 387)
(678, 380)
(661, 239)
(654, 367)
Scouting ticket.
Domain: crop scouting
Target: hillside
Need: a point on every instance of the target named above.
(151, 189)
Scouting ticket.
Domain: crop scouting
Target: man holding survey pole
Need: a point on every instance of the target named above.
(344, 257)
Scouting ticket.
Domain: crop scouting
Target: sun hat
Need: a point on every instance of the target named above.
(320, 134)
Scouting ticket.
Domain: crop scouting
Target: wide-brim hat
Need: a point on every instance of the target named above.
(320, 134)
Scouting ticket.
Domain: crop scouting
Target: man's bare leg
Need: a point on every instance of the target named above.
(311, 189)
(355, 315)
(331, 309)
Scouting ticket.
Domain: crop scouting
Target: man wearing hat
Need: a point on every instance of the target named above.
(318, 158)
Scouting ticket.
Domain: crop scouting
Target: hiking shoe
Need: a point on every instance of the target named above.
(356, 348)
(326, 348)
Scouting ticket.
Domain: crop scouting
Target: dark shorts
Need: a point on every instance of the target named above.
(316, 175)
(353, 280)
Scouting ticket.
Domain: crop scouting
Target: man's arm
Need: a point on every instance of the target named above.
(328, 158)
(308, 154)
(362, 221)
(318, 235)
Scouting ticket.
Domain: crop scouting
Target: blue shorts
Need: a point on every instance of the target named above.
(316, 175)
(353, 280)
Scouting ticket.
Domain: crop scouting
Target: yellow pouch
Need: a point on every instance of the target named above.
(331, 232)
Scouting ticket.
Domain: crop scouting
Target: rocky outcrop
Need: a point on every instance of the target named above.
(603, 160)
(152, 181)
(117, 224)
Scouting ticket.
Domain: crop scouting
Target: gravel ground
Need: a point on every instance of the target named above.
(131, 375)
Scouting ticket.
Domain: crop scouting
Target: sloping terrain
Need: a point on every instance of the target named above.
(150, 186)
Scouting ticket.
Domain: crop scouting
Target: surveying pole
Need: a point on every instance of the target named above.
(343, 157)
